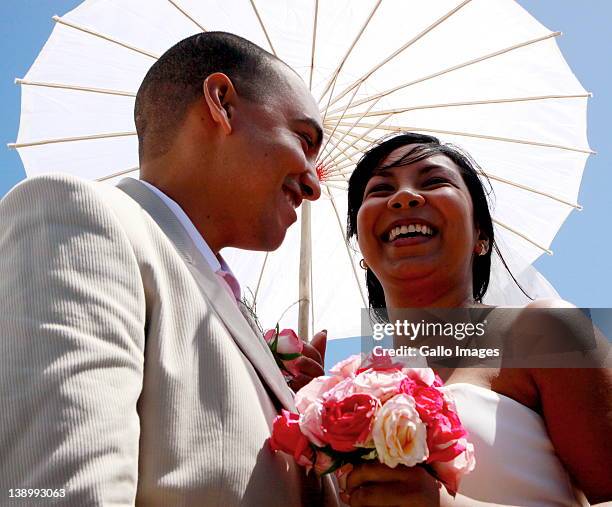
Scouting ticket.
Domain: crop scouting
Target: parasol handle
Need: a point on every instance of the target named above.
(304, 276)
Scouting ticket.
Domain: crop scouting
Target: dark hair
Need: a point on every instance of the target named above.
(175, 80)
(469, 169)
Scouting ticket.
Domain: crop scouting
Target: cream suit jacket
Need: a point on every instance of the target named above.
(128, 375)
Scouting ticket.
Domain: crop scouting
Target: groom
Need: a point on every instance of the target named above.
(128, 374)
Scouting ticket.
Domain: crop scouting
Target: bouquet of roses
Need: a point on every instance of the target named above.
(376, 411)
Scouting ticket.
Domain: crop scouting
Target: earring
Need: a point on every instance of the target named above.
(363, 264)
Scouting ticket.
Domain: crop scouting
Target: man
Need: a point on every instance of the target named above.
(128, 374)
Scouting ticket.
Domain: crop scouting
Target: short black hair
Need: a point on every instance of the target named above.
(427, 146)
(175, 80)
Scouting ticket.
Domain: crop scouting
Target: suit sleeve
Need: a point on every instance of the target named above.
(72, 320)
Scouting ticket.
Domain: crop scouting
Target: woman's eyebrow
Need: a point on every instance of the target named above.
(387, 171)
(432, 167)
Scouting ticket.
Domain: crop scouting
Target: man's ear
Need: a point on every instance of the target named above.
(220, 94)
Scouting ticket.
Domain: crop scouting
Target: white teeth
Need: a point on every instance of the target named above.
(405, 229)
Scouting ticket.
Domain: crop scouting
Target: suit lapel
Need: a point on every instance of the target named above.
(251, 344)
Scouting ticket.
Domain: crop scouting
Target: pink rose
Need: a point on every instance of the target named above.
(437, 411)
(344, 388)
(347, 422)
(444, 428)
(443, 433)
(348, 367)
(425, 376)
(382, 385)
(429, 402)
(287, 437)
(314, 391)
(379, 363)
(451, 472)
(311, 425)
(287, 346)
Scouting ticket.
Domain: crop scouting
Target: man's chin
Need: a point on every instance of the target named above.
(271, 240)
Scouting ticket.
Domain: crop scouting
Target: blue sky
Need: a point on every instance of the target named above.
(581, 267)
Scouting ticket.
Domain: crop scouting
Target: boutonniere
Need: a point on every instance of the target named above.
(286, 347)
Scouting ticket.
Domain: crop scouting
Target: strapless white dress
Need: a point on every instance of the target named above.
(516, 462)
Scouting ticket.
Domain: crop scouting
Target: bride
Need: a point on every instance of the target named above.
(541, 435)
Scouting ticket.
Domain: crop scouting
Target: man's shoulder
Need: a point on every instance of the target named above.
(66, 191)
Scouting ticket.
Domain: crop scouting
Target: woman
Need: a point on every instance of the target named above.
(421, 218)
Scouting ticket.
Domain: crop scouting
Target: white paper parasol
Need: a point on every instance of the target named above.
(483, 74)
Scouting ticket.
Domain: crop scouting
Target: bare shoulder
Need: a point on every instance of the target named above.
(550, 303)
(556, 333)
(576, 400)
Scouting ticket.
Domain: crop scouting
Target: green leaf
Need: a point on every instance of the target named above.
(288, 357)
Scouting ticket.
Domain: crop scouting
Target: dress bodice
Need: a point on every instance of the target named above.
(516, 463)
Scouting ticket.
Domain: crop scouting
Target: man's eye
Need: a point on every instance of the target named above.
(308, 140)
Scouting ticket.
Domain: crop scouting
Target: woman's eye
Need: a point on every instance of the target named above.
(435, 181)
(379, 188)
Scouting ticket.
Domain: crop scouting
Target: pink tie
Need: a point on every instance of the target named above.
(230, 283)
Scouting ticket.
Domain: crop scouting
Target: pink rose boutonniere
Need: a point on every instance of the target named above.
(373, 410)
(286, 347)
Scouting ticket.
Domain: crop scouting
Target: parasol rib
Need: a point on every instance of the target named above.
(314, 40)
(57, 19)
(23, 82)
(344, 162)
(70, 139)
(352, 143)
(263, 27)
(460, 104)
(346, 244)
(520, 234)
(336, 125)
(532, 190)
(336, 72)
(341, 149)
(452, 69)
(339, 170)
(336, 180)
(263, 267)
(352, 126)
(399, 51)
(120, 173)
(187, 15)
(333, 185)
(481, 136)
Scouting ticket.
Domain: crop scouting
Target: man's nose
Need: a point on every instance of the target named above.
(309, 184)
(405, 198)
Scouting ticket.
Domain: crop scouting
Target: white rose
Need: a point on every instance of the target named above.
(399, 434)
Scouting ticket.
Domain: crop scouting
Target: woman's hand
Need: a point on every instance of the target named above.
(375, 484)
(311, 364)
